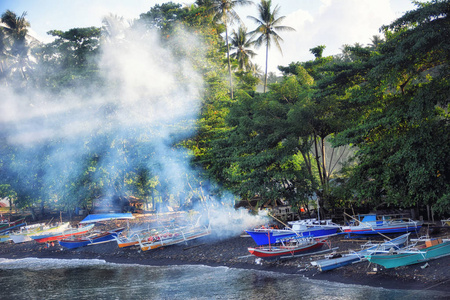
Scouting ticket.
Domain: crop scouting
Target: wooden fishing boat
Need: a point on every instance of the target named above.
(174, 236)
(431, 249)
(372, 224)
(300, 228)
(132, 238)
(288, 247)
(56, 236)
(92, 239)
(24, 233)
(337, 261)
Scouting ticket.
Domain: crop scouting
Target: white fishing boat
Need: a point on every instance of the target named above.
(174, 236)
(337, 261)
(24, 233)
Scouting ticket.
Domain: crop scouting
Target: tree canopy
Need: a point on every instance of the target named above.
(366, 127)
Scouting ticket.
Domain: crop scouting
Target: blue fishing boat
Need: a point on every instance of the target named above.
(372, 224)
(302, 228)
(92, 239)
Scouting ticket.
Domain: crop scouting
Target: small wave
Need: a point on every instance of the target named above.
(48, 263)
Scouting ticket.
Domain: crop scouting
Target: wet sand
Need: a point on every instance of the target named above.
(232, 252)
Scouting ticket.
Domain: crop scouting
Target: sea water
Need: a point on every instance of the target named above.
(33, 278)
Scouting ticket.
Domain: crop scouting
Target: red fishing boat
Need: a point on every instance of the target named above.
(288, 247)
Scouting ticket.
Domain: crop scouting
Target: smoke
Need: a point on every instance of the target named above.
(150, 102)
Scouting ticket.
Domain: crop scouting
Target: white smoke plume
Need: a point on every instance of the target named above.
(150, 94)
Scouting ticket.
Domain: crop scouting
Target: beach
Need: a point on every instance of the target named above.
(231, 251)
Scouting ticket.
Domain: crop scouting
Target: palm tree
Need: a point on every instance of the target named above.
(16, 30)
(223, 10)
(240, 44)
(376, 41)
(113, 28)
(3, 51)
(268, 25)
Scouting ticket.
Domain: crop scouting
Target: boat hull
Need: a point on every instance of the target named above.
(384, 230)
(409, 258)
(335, 263)
(175, 238)
(273, 252)
(104, 237)
(347, 259)
(271, 236)
(61, 235)
(372, 225)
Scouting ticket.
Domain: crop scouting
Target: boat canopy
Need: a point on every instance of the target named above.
(106, 217)
(369, 218)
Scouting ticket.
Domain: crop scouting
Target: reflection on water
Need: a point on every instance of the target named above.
(96, 279)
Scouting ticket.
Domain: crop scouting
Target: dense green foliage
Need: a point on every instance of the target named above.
(367, 127)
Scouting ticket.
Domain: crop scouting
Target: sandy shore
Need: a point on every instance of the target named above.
(232, 252)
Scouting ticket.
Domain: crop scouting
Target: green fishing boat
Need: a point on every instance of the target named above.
(432, 249)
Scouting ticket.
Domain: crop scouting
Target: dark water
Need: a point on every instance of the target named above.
(95, 279)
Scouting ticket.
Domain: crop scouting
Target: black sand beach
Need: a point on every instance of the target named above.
(232, 252)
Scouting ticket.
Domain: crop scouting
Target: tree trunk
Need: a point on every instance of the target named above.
(267, 61)
(228, 57)
(325, 173)
(317, 160)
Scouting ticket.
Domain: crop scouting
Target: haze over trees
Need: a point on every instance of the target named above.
(367, 127)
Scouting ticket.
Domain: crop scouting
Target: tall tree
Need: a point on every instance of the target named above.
(403, 130)
(224, 11)
(3, 52)
(240, 44)
(268, 23)
(16, 30)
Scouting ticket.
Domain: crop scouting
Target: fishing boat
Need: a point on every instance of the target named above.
(98, 218)
(174, 236)
(24, 233)
(371, 224)
(301, 228)
(287, 247)
(56, 236)
(91, 239)
(4, 223)
(8, 227)
(431, 249)
(132, 238)
(337, 261)
(104, 218)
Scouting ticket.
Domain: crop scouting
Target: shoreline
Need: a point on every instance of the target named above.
(232, 252)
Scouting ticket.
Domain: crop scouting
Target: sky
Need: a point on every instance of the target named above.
(332, 23)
